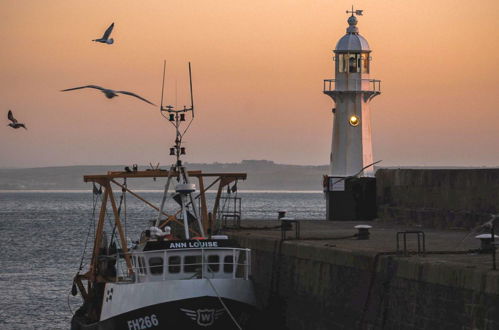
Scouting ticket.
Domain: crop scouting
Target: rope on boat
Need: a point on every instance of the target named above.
(69, 306)
(90, 225)
(94, 201)
(113, 233)
(123, 193)
(223, 304)
(220, 298)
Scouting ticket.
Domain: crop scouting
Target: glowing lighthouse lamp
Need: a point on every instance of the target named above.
(351, 162)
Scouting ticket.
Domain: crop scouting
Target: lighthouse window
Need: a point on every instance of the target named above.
(174, 264)
(228, 264)
(340, 63)
(365, 62)
(156, 265)
(354, 63)
(343, 62)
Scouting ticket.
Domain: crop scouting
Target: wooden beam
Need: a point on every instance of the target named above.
(139, 197)
(117, 222)
(210, 185)
(81, 287)
(242, 176)
(204, 207)
(157, 174)
(223, 182)
(174, 218)
(98, 234)
(215, 207)
(170, 218)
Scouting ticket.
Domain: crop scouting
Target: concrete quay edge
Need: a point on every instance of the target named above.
(415, 268)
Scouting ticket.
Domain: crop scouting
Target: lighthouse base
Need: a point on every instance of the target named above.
(350, 199)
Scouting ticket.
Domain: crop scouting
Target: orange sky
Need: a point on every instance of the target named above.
(258, 68)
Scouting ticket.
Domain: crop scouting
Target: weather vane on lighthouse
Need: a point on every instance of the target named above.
(351, 159)
(357, 12)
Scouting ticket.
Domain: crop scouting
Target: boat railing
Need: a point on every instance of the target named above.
(185, 264)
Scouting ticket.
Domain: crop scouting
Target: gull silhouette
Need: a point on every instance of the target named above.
(109, 92)
(14, 123)
(105, 37)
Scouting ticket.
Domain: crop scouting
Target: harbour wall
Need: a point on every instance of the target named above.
(438, 198)
(305, 285)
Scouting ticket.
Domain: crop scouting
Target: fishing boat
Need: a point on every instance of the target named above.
(179, 273)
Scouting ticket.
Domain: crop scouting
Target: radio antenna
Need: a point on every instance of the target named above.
(190, 85)
(163, 85)
(177, 116)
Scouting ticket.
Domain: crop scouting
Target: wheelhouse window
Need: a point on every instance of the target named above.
(174, 264)
(192, 264)
(228, 264)
(156, 265)
(213, 263)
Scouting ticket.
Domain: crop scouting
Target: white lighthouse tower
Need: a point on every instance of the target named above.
(352, 90)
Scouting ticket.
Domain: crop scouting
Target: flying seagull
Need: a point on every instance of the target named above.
(14, 123)
(109, 92)
(105, 37)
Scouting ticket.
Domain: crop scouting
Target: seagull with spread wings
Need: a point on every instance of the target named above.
(14, 123)
(109, 92)
(105, 37)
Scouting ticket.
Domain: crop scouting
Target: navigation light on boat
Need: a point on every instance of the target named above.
(182, 117)
(182, 151)
(172, 117)
(172, 151)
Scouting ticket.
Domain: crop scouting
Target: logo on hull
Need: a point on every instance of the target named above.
(203, 317)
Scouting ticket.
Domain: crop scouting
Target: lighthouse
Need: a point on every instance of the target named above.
(350, 185)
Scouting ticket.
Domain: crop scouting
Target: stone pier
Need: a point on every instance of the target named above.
(328, 279)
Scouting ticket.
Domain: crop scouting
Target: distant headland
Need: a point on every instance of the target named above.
(262, 175)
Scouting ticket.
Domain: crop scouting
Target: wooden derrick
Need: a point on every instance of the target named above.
(105, 180)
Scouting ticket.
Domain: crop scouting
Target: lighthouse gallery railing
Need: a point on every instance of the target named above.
(352, 85)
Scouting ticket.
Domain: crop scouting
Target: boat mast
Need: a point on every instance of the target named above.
(177, 117)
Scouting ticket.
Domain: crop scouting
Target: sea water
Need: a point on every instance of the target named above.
(43, 236)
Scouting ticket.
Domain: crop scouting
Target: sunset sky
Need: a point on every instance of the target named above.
(258, 68)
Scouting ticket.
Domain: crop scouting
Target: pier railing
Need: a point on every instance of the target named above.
(352, 85)
(185, 264)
